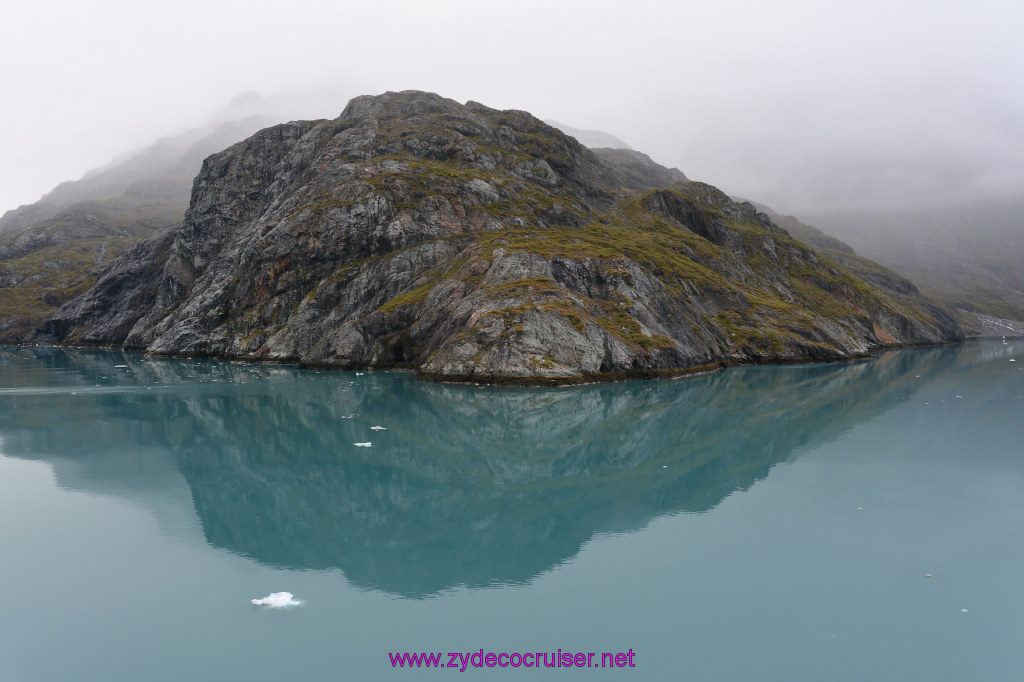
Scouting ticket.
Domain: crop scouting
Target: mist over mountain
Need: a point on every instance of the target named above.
(590, 138)
(162, 172)
(53, 249)
(478, 244)
(970, 254)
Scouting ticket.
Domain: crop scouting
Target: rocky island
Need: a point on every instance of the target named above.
(482, 245)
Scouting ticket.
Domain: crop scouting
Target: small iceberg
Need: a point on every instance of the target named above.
(378, 428)
(363, 445)
(277, 600)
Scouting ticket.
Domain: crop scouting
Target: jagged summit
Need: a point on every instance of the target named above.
(473, 243)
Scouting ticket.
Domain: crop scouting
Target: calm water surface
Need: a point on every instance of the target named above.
(761, 523)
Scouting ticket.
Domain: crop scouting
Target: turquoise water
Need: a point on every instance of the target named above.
(760, 523)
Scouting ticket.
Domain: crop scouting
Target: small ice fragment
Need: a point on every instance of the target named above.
(359, 374)
(277, 600)
(119, 366)
(664, 466)
(918, 376)
(1012, 360)
(963, 610)
(959, 396)
(378, 428)
(860, 507)
(928, 575)
(363, 445)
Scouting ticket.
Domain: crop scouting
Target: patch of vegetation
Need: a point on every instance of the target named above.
(417, 295)
(43, 280)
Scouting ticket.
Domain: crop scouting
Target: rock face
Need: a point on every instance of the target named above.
(56, 248)
(483, 245)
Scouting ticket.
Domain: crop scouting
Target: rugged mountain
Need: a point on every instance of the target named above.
(969, 256)
(939, 281)
(478, 244)
(54, 249)
(844, 254)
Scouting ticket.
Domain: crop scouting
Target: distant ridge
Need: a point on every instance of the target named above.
(55, 248)
(590, 138)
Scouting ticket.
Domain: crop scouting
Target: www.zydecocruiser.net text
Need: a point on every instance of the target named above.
(462, 660)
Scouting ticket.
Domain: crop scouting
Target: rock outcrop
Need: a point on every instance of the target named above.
(483, 245)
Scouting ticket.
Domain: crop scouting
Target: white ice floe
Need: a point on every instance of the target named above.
(363, 445)
(359, 374)
(963, 610)
(378, 428)
(277, 600)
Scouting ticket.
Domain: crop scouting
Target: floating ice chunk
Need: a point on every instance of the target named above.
(363, 445)
(277, 600)
(378, 428)
(928, 575)
(359, 374)
(1013, 360)
(963, 610)
(119, 366)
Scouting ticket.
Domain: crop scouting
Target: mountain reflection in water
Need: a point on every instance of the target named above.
(466, 486)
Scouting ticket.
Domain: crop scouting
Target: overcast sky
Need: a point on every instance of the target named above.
(798, 104)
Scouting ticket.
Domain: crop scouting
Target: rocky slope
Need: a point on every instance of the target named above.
(972, 270)
(56, 248)
(968, 255)
(478, 244)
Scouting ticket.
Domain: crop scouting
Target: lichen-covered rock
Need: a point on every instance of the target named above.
(478, 244)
